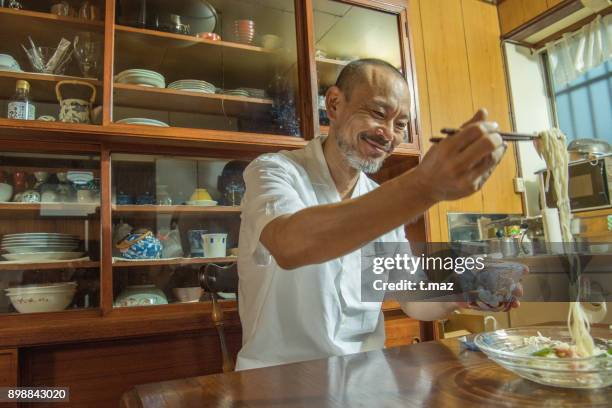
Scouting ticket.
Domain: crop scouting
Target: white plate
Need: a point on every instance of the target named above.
(30, 249)
(204, 203)
(46, 234)
(40, 238)
(43, 256)
(143, 72)
(143, 121)
(206, 91)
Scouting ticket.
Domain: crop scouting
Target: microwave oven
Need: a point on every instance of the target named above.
(590, 185)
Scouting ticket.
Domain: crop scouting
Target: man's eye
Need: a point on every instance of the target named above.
(402, 125)
(378, 114)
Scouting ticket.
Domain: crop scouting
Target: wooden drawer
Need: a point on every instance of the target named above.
(8, 368)
(401, 330)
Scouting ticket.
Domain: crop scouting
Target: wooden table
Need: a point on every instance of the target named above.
(432, 374)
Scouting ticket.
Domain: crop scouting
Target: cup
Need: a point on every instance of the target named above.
(214, 245)
(195, 243)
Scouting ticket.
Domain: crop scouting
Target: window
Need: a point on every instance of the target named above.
(584, 105)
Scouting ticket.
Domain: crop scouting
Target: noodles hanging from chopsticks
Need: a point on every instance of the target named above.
(551, 145)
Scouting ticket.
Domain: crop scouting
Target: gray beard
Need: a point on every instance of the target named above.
(356, 162)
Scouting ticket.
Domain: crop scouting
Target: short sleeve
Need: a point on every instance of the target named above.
(271, 191)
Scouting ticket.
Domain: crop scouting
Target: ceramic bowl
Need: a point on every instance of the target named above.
(270, 41)
(8, 61)
(30, 196)
(49, 300)
(6, 192)
(141, 295)
(188, 295)
(124, 199)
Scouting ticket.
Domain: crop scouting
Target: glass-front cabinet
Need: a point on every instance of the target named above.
(51, 60)
(171, 217)
(344, 32)
(222, 65)
(50, 232)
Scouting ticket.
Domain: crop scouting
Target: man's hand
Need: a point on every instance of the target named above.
(459, 165)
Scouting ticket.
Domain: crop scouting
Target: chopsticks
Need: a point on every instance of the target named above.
(510, 137)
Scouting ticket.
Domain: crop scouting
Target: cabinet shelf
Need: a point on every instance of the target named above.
(48, 209)
(14, 20)
(174, 261)
(28, 266)
(172, 37)
(176, 56)
(328, 70)
(171, 209)
(42, 86)
(164, 99)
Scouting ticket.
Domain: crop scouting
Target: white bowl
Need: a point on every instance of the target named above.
(188, 295)
(42, 287)
(6, 192)
(44, 301)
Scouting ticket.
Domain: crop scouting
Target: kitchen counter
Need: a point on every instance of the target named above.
(432, 374)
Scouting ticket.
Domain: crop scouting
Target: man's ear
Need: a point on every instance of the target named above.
(333, 101)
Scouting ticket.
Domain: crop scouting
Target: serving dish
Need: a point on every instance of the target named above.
(507, 348)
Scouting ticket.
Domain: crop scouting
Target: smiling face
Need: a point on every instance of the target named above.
(370, 118)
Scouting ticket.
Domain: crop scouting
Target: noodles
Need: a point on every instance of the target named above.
(551, 145)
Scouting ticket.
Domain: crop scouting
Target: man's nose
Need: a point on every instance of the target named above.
(384, 133)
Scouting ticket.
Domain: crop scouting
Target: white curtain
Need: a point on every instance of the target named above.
(578, 52)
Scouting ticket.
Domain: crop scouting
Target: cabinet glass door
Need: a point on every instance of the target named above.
(46, 43)
(346, 32)
(219, 64)
(171, 217)
(49, 232)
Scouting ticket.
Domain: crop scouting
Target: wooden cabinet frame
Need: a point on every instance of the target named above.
(38, 136)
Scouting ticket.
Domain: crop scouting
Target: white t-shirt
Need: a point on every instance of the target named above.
(309, 312)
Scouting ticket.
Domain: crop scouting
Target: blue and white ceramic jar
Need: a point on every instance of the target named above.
(143, 245)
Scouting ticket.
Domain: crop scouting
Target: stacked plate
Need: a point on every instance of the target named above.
(39, 247)
(142, 77)
(143, 121)
(255, 93)
(236, 92)
(192, 85)
(47, 297)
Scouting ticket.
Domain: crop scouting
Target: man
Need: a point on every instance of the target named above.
(307, 213)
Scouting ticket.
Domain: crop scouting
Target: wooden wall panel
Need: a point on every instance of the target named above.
(553, 3)
(99, 373)
(460, 68)
(489, 90)
(448, 83)
(416, 30)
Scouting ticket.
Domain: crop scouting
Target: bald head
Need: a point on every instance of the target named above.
(360, 71)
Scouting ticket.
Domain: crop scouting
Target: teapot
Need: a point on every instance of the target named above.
(75, 110)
